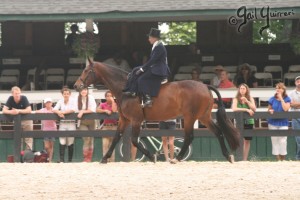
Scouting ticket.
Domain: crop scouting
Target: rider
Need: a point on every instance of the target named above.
(146, 79)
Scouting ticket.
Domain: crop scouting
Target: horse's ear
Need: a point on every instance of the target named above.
(90, 61)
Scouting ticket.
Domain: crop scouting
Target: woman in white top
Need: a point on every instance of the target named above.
(86, 104)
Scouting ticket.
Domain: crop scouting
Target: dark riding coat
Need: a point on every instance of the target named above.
(155, 70)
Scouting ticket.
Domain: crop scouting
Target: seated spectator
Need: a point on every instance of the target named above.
(215, 81)
(138, 58)
(245, 75)
(225, 83)
(195, 75)
(118, 61)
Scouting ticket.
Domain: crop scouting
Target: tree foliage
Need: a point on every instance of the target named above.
(278, 32)
(179, 33)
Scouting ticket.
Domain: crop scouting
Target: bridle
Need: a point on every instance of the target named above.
(90, 72)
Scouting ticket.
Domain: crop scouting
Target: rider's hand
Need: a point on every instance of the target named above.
(138, 72)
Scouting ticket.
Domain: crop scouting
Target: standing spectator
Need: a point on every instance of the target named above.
(245, 75)
(215, 81)
(19, 104)
(72, 37)
(65, 106)
(48, 125)
(86, 104)
(108, 107)
(225, 83)
(280, 102)
(295, 106)
(168, 141)
(243, 102)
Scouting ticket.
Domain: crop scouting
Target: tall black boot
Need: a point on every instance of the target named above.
(70, 152)
(148, 101)
(62, 153)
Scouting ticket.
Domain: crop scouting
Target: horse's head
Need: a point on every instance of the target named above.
(87, 77)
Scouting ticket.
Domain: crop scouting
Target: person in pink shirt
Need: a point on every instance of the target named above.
(48, 125)
(108, 107)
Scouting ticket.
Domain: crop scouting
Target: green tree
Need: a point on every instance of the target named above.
(278, 31)
(179, 33)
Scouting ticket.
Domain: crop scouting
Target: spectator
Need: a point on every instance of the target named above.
(245, 75)
(66, 106)
(195, 75)
(138, 58)
(225, 83)
(295, 106)
(19, 104)
(215, 81)
(118, 61)
(48, 125)
(280, 102)
(243, 102)
(108, 107)
(168, 141)
(86, 104)
(72, 36)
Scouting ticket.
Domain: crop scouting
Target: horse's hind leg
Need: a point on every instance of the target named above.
(120, 130)
(188, 137)
(212, 126)
(136, 128)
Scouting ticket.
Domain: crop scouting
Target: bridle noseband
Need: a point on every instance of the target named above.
(91, 72)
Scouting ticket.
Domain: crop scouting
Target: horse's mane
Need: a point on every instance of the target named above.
(119, 74)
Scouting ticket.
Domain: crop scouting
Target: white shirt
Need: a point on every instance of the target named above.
(91, 104)
(71, 105)
(295, 96)
(124, 64)
(155, 44)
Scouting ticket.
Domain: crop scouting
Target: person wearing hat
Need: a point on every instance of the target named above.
(147, 78)
(295, 106)
(215, 81)
(48, 125)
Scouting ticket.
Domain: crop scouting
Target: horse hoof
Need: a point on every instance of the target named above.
(103, 161)
(231, 158)
(154, 158)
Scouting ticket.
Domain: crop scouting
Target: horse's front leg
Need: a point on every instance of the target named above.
(136, 129)
(120, 130)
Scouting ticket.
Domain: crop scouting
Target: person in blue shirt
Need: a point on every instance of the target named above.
(280, 102)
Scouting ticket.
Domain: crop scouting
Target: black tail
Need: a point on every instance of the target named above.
(231, 133)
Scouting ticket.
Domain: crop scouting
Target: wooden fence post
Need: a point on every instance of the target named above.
(17, 138)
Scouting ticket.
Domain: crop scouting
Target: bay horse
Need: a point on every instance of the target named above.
(190, 99)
